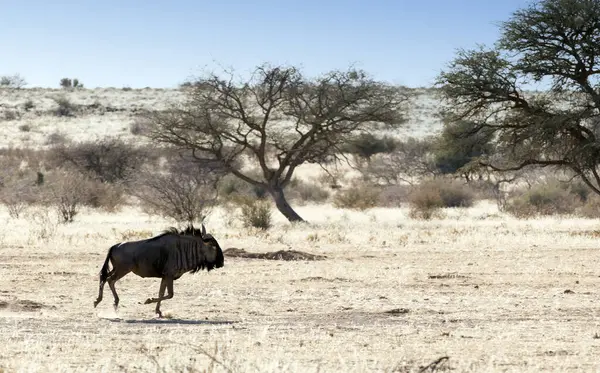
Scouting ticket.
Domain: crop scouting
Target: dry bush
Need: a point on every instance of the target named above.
(44, 223)
(16, 195)
(64, 108)
(24, 127)
(57, 138)
(28, 105)
(139, 126)
(454, 193)
(425, 203)
(546, 198)
(590, 208)
(186, 192)
(108, 160)
(394, 195)
(33, 158)
(18, 184)
(410, 160)
(255, 212)
(357, 197)
(12, 115)
(302, 191)
(104, 196)
(66, 190)
(231, 187)
(430, 196)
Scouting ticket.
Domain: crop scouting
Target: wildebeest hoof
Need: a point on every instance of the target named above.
(148, 301)
(159, 314)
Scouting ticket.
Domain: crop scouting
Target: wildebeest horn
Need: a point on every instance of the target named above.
(203, 230)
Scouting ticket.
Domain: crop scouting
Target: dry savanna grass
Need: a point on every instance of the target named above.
(470, 290)
(487, 291)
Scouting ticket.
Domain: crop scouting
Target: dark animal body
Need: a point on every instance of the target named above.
(167, 256)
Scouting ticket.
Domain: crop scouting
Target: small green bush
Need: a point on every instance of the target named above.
(255, 213)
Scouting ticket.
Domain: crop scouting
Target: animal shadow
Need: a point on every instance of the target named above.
(172, 321)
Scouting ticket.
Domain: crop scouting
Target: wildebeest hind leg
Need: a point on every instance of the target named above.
(116, 276)
(101, 290)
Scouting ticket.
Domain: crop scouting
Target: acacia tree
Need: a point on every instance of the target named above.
(276, 120)
(554, 42)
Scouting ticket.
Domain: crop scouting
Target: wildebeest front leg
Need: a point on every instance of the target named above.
(166, 282)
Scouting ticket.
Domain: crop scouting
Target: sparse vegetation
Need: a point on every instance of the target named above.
(357, 197)
(67, 191)
(67, 83)
(108, 160)
(256, 213)
(221, 119)
(64, 107)
(185, 192)
(15, 81)
(547, 198)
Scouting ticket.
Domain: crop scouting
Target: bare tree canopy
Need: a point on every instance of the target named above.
(276, 120)
(554, 42)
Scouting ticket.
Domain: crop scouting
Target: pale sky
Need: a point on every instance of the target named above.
(153, 43)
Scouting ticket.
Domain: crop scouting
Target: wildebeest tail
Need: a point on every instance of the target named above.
(104, 270)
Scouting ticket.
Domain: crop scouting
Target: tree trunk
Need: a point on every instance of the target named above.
(283, 206)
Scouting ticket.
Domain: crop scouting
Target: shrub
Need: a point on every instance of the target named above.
(16, 195)
(455, 194)
(454, 149)
(186, 192)
(11, 115)
(28, 105)
(394, 195)
(108, 197)
(66, 83)
(543, 199)
(411, 160)
(366, 145)
(425, 203)
(590, 208)
(65, 108)
(24, 128)
(306, 191)
(108, 160)
(138, 127)
(67, 191)
(428, 197)
(56, 138)
(357, 198)
(255, 213)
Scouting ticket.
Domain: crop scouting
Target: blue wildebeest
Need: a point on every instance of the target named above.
(167, 256)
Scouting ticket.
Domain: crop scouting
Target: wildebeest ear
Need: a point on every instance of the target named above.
(203, 230)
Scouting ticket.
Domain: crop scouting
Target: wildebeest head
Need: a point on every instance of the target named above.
(215, 254)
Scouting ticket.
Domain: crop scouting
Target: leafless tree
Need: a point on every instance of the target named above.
(277, 120)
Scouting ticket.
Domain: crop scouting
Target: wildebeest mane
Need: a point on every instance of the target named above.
(190, 230)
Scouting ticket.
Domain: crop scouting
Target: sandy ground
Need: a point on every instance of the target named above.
(489, 292)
